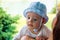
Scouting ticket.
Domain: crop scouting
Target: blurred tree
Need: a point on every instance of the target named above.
(53, 10)
(7, 27)
(58, 6)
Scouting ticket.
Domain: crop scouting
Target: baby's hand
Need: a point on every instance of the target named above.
(41, 38)
(26, 37)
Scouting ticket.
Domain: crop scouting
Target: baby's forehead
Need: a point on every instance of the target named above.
(33, 14)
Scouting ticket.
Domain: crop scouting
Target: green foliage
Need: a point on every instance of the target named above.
(53, 10)
(7, 27)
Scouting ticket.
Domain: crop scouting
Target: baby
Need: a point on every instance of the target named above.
(35, 18)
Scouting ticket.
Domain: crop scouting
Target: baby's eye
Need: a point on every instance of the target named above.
(35, 19)
(28, 17)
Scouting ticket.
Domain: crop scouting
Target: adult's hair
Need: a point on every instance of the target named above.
(56, 30)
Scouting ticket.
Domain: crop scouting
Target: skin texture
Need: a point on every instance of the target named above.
(33, 20)
(26, 38)
(54, 22)
(30, 38)
(41, 38)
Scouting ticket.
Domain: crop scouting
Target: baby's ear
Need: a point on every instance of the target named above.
(43, 20)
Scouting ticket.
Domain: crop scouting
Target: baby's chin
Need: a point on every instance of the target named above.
(32, 27)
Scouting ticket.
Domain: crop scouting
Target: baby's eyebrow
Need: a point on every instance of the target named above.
(27, 15)
(37, 17)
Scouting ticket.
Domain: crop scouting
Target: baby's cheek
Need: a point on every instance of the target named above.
(37, 24)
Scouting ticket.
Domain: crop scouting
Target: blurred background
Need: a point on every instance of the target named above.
(12, 19)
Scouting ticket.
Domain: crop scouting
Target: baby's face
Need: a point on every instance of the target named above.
(33, 20)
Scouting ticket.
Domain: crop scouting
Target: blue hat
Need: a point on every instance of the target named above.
(38, 8)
